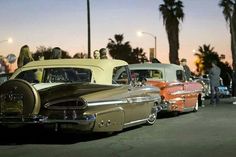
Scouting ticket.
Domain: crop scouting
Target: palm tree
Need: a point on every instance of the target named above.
(206, 55)
(229, 12)
(119, 49)
(138, 56)
(172, 13)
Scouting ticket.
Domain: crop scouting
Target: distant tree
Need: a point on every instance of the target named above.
(118, 49)
(65, 54)
(80, 55)
(226, 72)
(42, 51)
(229, 12)
(137, 56)
(206, 55)
(172, 13)
(46, 53)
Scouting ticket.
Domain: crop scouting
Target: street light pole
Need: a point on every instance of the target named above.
(155, 40)
(89, 33)
(155, 47)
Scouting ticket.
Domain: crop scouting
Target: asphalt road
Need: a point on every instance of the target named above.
(210, 132)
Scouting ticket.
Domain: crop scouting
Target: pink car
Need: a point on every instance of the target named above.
(178, 95)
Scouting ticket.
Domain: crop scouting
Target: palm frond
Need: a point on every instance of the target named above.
(228, 7)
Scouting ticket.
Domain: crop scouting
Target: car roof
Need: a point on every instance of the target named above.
(102, 68)
(102, 63)
(155, 65)
(169, 70)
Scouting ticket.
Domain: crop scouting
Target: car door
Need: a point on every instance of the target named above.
(136, 107)
(191, 95)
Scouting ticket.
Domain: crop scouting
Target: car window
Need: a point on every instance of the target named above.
(180, 75)
(29, 76)
(67, 75)
(148, 74)
(51, 75)
(120, 75)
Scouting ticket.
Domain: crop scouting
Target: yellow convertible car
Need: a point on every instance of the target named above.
(80, 94)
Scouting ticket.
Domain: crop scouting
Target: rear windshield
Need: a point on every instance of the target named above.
(149, 74)
(54, 75)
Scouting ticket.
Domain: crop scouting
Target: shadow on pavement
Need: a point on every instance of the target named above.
(34, 135)
(44, 136)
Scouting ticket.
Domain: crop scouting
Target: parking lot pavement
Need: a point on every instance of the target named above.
(210, 132)
(223, 101)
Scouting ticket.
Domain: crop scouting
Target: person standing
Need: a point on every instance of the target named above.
(187, 71)
(11, 59)
(24, 57)
(96, 54)
(103, 53)
(214, 76)
(56, 53)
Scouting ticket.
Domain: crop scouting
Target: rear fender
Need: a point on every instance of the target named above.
(109, 120)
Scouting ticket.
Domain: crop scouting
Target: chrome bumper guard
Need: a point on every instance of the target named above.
(84, 120)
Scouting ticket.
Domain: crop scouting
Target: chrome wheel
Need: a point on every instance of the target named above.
(152, 117)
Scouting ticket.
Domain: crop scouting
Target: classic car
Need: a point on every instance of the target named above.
(224, 91)
(205, 84)
(178, 95)
(80, 94)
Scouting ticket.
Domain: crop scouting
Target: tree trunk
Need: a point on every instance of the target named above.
(173, 38)
(233, 49)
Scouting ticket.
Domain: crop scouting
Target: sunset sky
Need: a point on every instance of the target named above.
(63, 23)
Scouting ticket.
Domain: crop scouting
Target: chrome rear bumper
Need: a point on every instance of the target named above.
(84, 123)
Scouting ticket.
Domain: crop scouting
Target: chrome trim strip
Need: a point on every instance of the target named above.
(177, 99)
(124, 101)
(187, 109)
(111, 102)
(186, 92)
(182, 92)
(52, 103)
(175, 84)
(40, 86)
(85, 120)
(134, 122)
(140, 99)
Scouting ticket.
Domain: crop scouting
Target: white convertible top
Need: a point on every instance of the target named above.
(168, 70)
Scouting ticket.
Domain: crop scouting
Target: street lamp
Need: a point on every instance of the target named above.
(89, 32)
(9, 40)
(155, 39)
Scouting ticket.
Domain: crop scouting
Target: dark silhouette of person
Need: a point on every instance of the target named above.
(214, 76)
(25, 56)
(3, 65)
(56, 53)
(155, 60)
(103, 53)
(187, 70)
(96, 54)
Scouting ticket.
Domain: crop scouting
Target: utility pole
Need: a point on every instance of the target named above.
(89, 34)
